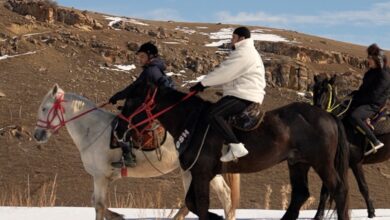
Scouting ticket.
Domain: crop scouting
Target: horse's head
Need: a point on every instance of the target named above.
(324, 91)
(50, 114)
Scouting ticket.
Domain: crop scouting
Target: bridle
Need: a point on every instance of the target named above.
(57, 111)
(332, 102)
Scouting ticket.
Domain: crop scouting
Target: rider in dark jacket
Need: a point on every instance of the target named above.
(372, 94)
(153, 71)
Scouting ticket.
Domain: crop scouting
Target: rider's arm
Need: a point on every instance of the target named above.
(230, 69)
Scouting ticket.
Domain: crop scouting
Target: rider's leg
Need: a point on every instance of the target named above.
(220, 111)
(358, 117)
(126, 145)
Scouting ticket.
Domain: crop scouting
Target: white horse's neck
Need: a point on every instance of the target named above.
(86, 129)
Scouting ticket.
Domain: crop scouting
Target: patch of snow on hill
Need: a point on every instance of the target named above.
(123, 68)
(225, 34)
(114, 20)
(17, 55)
(186, 30)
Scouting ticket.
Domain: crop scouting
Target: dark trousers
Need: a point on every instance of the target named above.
(130, 106)
(221, 111)
(358, 117)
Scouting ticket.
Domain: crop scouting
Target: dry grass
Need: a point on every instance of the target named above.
(267, 197)
(285, 193)
(144, 199)
(45, 196)
(17, 196)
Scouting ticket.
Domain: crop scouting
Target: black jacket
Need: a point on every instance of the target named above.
(374, 89)
(153, 72)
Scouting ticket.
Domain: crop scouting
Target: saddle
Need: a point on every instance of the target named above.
(150, 139)
(249, 119)
(379, 123)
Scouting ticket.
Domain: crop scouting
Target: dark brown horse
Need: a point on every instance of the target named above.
(325, 96)
(304, 135)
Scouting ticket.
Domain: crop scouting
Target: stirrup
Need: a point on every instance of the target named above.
(374, 149)
(130, 162)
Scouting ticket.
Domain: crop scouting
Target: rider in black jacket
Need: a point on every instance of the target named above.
(372, 94)
(153, 71)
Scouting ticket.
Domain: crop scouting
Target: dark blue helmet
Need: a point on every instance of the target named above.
(148, 48)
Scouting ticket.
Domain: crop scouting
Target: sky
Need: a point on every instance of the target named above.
(357, 21)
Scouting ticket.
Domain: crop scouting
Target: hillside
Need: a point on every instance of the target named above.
(85, 53)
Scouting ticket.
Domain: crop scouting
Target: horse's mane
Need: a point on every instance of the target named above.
(83, 102)
(173, 94)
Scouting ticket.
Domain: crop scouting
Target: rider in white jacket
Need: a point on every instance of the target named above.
(242, 77)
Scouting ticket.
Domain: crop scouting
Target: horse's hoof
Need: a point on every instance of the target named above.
(110, 215)
(371, 215)
(214, 216)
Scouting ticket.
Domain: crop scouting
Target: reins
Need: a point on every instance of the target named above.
(57, 111)
(147, 106)
(332, 105)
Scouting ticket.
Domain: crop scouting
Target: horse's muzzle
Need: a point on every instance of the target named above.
(40, 135)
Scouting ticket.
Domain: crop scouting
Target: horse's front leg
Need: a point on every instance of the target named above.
(198, 198)
(183, 211)
(100, 186)
(363, 188)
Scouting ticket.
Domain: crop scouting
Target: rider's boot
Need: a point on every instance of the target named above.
(236, 151)
(127, 159)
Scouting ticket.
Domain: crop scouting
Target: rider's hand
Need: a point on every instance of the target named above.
(352, 93)
(113, 100)
(197, 87)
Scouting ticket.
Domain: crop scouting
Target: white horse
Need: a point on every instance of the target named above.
(90, 129)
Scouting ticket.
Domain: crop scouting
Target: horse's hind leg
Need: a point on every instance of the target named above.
(337, 190)
(225, 194)
(300, 192)
(321, 205)
(363, 188)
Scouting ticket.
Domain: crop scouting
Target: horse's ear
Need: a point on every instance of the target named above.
(55, 89)
(332, 80)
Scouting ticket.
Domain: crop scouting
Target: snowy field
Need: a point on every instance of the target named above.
(75, 213)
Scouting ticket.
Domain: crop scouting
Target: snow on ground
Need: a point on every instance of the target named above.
(114, 20)
(174, 74)
(33, 34)
(186, 30)
(123, 68)
(225, 34)
(198, 79)
(171, 42)
(17, 55)
(76, 213)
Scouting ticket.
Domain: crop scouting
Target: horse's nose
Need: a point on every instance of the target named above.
(38, 135)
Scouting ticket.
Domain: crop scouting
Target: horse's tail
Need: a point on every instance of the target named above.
(342, 157)
(233, 180)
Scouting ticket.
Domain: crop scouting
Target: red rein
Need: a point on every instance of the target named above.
(148, 106)
(58, 111)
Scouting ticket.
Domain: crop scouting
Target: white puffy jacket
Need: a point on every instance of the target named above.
(241, 75)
